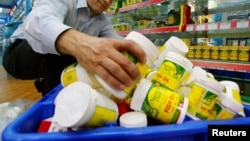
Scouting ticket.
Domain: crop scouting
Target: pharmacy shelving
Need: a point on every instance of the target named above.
(233, 28)
(222, 65)
(136, 6)
(19, 10)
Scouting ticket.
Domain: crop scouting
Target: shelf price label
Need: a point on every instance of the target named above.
(200, 27)
(225, 25)
(190, 28)
(212, 26)
(242, 24)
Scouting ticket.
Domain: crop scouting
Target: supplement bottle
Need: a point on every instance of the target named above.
(173, 44)
(75, 72)
(204, 94)
(159, 102)
(225, 108)
(173, 71)
(80, 105)
(233, 91)
(151, 54)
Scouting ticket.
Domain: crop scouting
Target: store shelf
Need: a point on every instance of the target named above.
(236, 28)
(153, 30)
(223, 65)
(219, 25)
(225, 6)
(138, 5)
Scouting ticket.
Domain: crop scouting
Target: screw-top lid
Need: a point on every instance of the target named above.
(74, 105)
(212, 84)
(148, 46)
(117, 93)
(173, 44)
(133, 119)
(195, 73)
(177, 45)
(181, 60)
(140, 94)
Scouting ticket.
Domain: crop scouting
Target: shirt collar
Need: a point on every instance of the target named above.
(82, 4)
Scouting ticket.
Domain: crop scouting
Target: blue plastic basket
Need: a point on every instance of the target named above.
(24, 128)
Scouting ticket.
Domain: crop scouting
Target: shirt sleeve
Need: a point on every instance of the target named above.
(109, 31)
(44, 24)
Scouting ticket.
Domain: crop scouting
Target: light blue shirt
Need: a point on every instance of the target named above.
(49, 18)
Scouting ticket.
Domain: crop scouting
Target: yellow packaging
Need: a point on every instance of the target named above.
(173, 71)
(220, 112)
(205, 52)
(197, 52)
(190, 53)
(159, 102)
(233, 53)
(214, 52)
(243, 53)
(223, 55)
(202, 97)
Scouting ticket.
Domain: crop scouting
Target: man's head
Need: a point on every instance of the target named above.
(98, 6)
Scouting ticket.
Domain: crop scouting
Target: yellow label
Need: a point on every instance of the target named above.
(169, 75)
(197, 53)
(225, 114)
(243, 56)
(144, 70)
(205, 54)
(219, 112)
(163, 104)
(69, 75)
(101, 116)
(215, 54)
(223, 55)
(236, 95)
(233, 55)
(190, 53)
(201, 102)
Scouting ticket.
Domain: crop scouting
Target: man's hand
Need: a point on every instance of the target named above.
(103, 56)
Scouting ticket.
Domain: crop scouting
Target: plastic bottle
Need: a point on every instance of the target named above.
(244, 53)
(173, 71)
(214, 52)
(202, 98)
(173, 44)
(133, 119)
(151, 54)
(159, 102)
(195, 73)
(223, 55)
(225, 108)
(80, 105)
(76, 72)
(233, 91)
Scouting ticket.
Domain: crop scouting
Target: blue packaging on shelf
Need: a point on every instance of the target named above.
(245, 75)
(24, 128)
(232, 74)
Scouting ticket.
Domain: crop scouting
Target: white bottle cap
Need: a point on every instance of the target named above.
(74, 105)
(147, 45)
(117, 93)
(173, 44)
(195, 73)
(133, 119)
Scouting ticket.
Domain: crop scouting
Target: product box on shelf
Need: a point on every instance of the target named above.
(24, 128)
